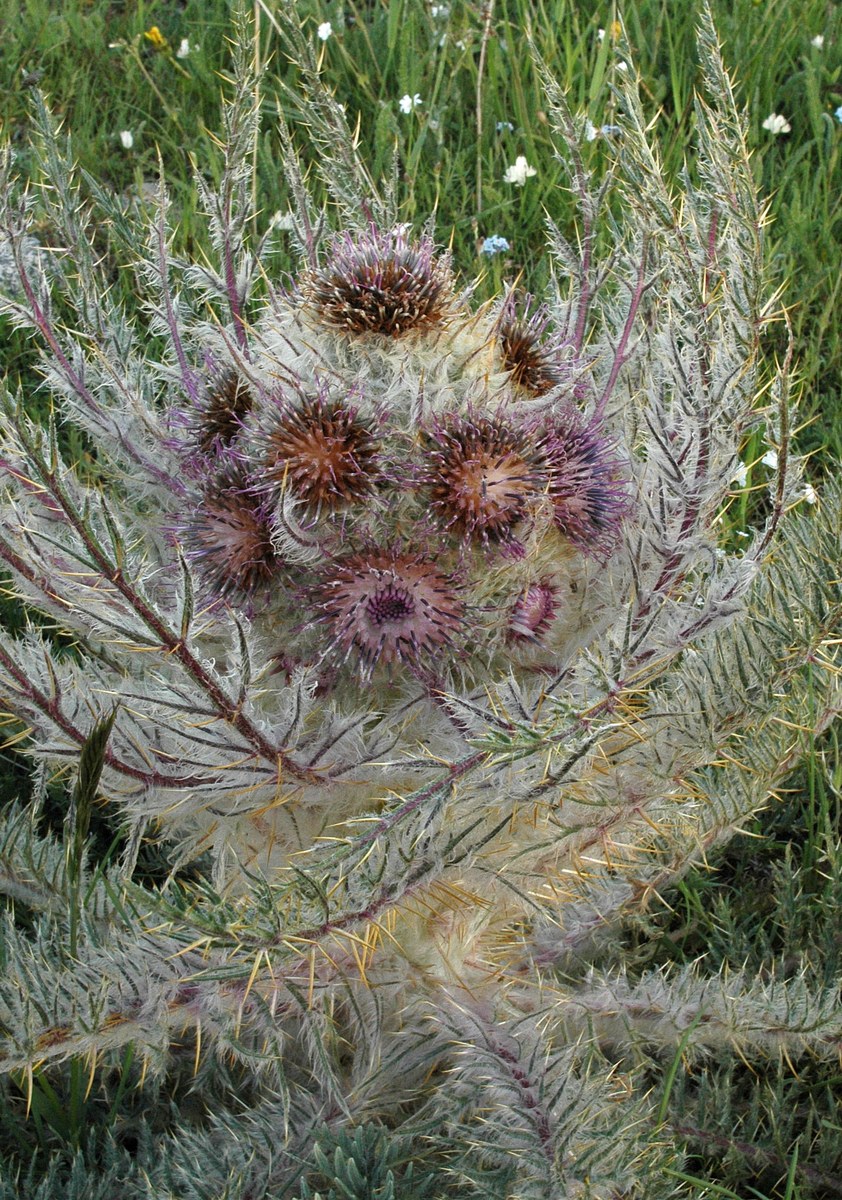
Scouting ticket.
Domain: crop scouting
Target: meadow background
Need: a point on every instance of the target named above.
(448, 94)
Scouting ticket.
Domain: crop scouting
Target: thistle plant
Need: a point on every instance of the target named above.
(409, 629)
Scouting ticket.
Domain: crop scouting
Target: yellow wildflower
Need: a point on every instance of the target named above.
(157, 39)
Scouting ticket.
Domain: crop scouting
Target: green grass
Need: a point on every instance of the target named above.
(775, 893)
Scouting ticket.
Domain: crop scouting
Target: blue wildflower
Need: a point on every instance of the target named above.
(838, 114)
(494, 245)
(606, 131)
(505, 127)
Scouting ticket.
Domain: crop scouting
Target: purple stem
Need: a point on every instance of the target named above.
(694, 504)
(587, 239)
(49, 336)
(457, 770)
(620, 356)
(188, 375)
(42, 583)
(540, 1118)
(173, 645)
(711, 252)
(74, 379)
(760, 1157)
(231, 283)
(51, 707)
(584, 286)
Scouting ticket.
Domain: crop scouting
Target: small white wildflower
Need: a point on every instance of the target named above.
(622, 66)
(810, 494)
(838, 114)
(439, 10)
(743, 533)
(184, 48)
(817, 41)
(505, 127)
(777, 123)
(600, 35)
(740, 476)
(407, 102)
(519, 172)
(126, 139)
(770, 459)
(324, 31)
(590, 131)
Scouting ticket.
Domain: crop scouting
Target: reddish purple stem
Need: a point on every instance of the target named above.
(51, 707)
(620, 356)
(231, 283)
(174, 645)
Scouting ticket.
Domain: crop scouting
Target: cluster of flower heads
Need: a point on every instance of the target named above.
(374, 540)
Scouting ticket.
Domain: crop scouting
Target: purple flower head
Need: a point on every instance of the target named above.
(534, 611)
(321, 450)
(482, 477)
(387, 606)
(381, 283)
(588, 485)
(228, 535)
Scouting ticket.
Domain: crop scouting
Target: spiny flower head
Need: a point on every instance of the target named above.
(215, 421)
(482, 476)
(530, 358)
(383, 606)
(588, 484)
(322, 450)
(381, 283)
(228, 535)
(533, 613)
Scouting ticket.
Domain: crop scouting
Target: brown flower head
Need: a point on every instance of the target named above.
(531, 359)
(384, 607)
(381, 283)
(481, 476)
(323, 451)
(228, 535)
(219, 417)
